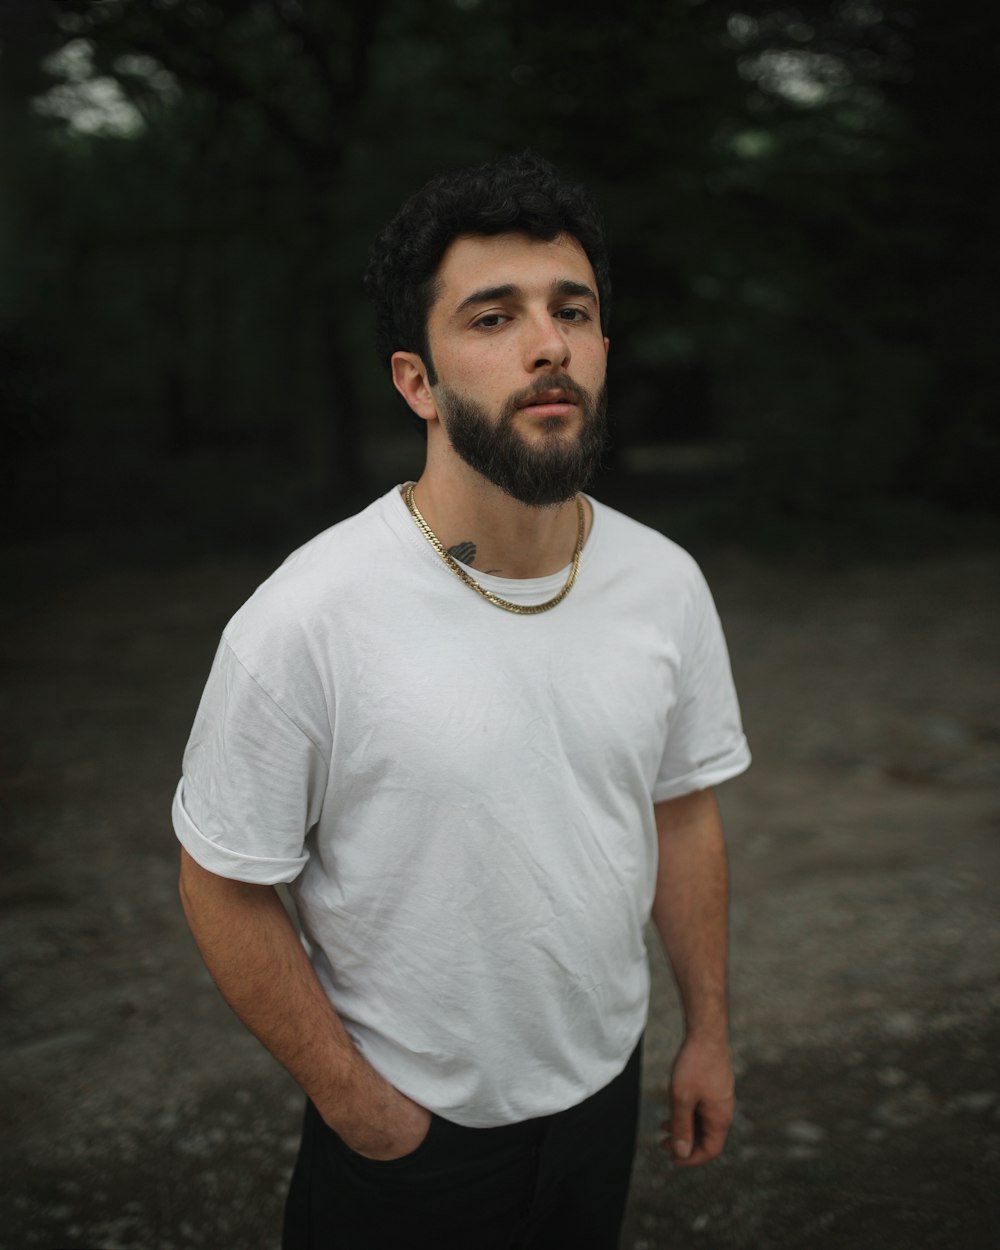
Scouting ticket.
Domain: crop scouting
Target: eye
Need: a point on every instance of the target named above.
(573, 314)
(489, 321)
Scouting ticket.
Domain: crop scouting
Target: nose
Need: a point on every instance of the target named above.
(547, 346)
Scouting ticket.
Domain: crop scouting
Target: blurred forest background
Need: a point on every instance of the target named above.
(804, 383)
(805, 252)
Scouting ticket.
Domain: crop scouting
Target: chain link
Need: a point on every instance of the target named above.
(520, 609)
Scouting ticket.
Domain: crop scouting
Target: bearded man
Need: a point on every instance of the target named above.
(476, 729)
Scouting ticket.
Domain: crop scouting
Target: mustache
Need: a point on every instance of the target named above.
(552, 382)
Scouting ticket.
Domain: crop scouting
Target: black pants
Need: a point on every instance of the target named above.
(557, 1181)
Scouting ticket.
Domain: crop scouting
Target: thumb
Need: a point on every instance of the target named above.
(682, 1128)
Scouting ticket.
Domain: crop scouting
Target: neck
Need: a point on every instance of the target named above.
(490, 531)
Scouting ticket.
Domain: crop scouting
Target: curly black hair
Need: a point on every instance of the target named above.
(522, 193)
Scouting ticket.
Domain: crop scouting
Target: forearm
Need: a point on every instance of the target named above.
(250, 947)
(690, 909)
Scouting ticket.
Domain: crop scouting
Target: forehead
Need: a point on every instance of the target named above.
(477, 262)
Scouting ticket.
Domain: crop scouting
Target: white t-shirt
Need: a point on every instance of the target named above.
(462, 798)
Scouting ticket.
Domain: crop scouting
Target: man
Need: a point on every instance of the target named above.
(476, 728)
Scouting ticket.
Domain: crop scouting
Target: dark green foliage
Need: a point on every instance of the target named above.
(805, 253)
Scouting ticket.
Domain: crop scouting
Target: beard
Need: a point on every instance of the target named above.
(541, 471)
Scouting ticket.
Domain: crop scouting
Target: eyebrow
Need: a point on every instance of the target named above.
(509, 290)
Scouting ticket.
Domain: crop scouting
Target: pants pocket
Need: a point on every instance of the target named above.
(403, 1161)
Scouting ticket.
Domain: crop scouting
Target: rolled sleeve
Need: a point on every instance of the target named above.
(239, 866)
(705, 740)
(253, 781)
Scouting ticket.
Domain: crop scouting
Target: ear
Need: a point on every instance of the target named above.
(409, 376)
(607, 344)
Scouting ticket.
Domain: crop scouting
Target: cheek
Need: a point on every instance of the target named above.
(485, 374)
(590, 367)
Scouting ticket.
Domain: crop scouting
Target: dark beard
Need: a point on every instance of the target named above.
(548, 470)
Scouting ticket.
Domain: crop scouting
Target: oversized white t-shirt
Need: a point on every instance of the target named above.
(462, 798)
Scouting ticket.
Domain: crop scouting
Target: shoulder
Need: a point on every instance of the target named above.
(316, 585)
(645, 551)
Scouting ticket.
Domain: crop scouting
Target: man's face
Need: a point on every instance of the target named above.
(516, 340)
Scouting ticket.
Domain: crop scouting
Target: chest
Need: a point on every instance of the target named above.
(576, 696)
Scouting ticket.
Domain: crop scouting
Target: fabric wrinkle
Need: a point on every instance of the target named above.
(473, 874)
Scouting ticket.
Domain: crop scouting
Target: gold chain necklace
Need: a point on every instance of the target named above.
(520, 608)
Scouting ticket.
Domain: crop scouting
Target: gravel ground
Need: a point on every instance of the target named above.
(865, 847)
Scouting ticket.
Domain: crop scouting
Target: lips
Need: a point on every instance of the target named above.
(557, 396)
(552, 403)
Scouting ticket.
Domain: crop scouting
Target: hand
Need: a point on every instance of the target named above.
(392, 1126)
(702, 1099)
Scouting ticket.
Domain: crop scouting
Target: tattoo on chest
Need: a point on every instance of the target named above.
(466, 552)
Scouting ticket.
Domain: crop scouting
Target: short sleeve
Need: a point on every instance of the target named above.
(705, 740)
(253, 781)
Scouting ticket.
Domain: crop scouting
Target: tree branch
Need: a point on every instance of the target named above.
(312, 45)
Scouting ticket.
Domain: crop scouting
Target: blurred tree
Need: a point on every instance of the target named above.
(870, 212)
(246, 151)
(804, 247)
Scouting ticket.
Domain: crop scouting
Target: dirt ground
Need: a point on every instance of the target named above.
(865, 847)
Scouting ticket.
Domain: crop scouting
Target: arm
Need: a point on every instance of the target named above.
(255, 957)
(690, 912)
